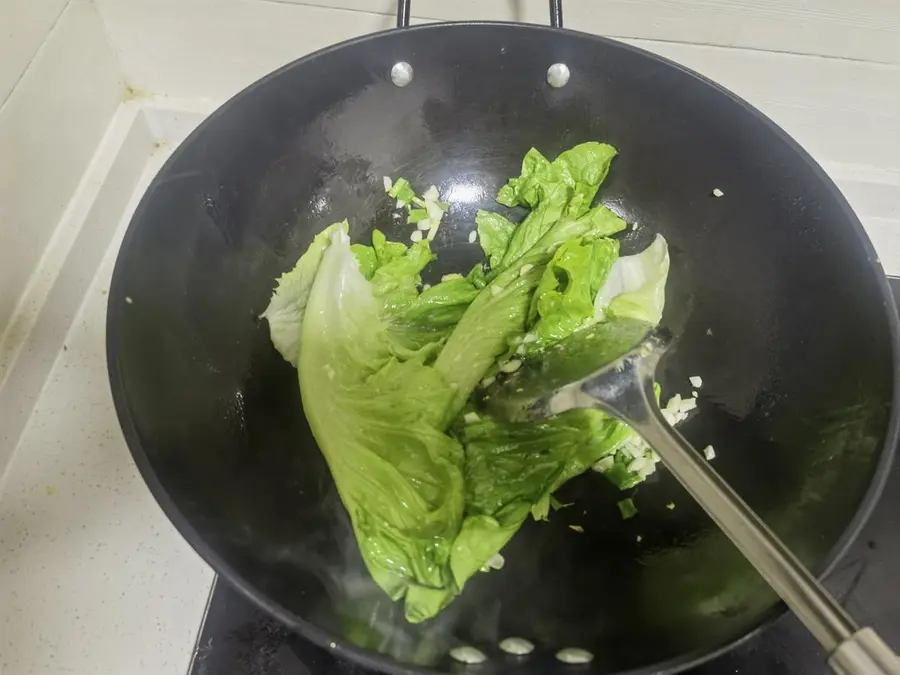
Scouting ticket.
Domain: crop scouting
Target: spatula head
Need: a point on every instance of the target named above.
(552, 380)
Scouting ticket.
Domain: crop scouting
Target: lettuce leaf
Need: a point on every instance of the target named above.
(513, 469)
(416, 319)
(386, 366)
(636, 285)
(566, 186)
(287, 307)
(564, 299)
(376, 418)
(494, 233)
(499, 313)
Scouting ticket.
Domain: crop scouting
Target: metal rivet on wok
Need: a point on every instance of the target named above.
(401, 73)
(558, 75)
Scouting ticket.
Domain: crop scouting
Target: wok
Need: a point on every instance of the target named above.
(776, 298)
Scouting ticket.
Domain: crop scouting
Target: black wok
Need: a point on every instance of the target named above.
(775, 295)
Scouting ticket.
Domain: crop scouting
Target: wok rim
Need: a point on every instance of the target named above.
(382, 662)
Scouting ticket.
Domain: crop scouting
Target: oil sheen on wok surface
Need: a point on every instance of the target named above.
(773, 303)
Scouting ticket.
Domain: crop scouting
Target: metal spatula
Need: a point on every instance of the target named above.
(587, 371)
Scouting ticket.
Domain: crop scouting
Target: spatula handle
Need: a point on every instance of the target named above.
(851, 651)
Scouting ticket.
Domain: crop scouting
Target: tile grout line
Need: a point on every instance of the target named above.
(35, 55)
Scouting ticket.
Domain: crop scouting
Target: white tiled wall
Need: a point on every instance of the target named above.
(23, 28)
(50, 125)
(860, 29)
(867, 29)
(844, 110)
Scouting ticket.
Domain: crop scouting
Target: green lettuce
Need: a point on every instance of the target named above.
(564, 299)
(376, 414)
(288, 305)
(388, 368)
(494, 233)
(624, 289)
(559, 193)
(636, 285)
(416, 318)
(564, 187)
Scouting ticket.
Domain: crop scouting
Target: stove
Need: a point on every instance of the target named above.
(238, 639)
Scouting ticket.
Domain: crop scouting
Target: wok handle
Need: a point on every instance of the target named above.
(556, 16)
(556, 13)
(851, 651)
(403, 13)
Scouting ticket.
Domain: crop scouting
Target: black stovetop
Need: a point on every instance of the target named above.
(239, 639)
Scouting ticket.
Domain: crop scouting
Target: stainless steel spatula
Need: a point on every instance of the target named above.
(611, 367)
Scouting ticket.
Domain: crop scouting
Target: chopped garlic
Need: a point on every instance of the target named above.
(488, 381)
(473, 235)
(416, 236)
(424, 224)
(577, 528)
(604, 463)
(401, 204)
(670, 505)
(511, 366)
(709, 452)
(496, 562)
(637, 465)
(388, 183)
(434, 211)
(696, 381)
(717, 192)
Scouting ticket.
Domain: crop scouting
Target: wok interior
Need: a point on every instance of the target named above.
(772, 297)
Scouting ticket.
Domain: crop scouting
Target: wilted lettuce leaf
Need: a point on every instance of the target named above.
(511, 471)
(636, 285)
(564, 299)
(386, 366)
(416, 318)
(631, 288)
(499, 313)
(526, 190)
(566, 186)
(288, 304)
(377, 420)
(494, 232)
(522, 463)
(442, 305)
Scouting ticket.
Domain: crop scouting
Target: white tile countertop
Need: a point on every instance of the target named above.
(93, 577)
